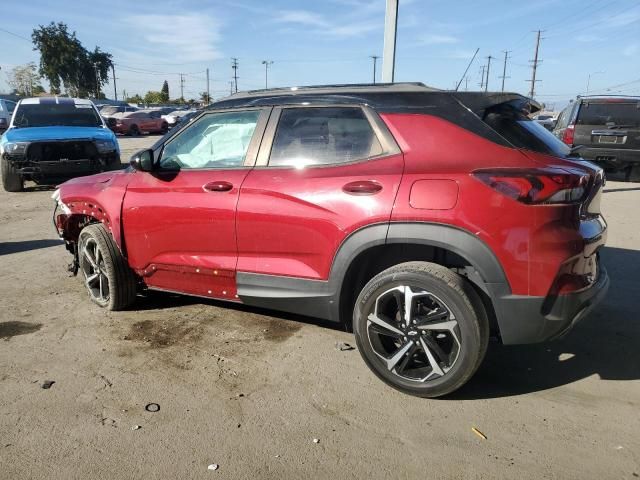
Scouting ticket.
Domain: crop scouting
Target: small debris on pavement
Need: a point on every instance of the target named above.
(316, 440)
(479, 433)
(136, 427)
(344, 347)
(152, 407)
(213, 466)
(47, 384)
(240, 395)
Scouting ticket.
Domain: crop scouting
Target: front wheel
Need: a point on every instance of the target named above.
(106, 274)
(12, 181)
(421, 328)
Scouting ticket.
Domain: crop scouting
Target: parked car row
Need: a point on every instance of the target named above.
(129, 120)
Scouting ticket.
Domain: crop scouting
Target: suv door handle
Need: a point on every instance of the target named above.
(217, 186)
(362, 187)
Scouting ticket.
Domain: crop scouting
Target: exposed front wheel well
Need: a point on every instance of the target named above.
(374, 260)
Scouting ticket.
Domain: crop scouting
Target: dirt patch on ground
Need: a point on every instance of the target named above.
(164, 333)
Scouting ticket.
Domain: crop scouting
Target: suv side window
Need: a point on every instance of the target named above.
(10, 105)
(216, 140)
(323, 135)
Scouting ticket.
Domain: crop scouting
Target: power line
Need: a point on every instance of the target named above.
(15, 35)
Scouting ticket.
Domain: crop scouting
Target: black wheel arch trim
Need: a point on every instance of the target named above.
(321, 298)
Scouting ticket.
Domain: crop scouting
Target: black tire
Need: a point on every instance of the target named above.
(434, 285)
(120, 291)
(12, 181)
(633, 173)
(134, 131)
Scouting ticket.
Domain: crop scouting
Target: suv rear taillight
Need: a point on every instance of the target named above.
(537, 186)
(569, 134)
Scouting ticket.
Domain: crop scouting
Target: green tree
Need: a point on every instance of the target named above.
(65, 62)
(153, 97)
(135, 99)
(25, 80)
(165, 92)
(205, 98)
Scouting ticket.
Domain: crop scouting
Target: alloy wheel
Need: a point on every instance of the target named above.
(93, 267)
(414, 333)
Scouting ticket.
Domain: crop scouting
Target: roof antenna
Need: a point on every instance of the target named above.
(468, 66)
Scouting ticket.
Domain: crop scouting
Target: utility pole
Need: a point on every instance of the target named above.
(504, 67)
(535, 62)
(482, 81)
(266, 64)
(234, 66)
(466, 84)
(390, 35)
(115, 90)
(486, 84)
(230, 87)
(208, 94)
(181, 86)
(375, 61)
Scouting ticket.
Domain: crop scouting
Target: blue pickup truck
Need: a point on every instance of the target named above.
(51, 140)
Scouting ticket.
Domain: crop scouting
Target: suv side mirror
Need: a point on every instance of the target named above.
(142, 160)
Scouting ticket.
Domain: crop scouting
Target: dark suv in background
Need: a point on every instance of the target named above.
(607, 128)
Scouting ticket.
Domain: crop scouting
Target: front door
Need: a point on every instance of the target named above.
(179, 220)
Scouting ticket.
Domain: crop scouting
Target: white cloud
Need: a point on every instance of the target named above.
(190, 38)
(435, 39)
(323, 26)
(631, 50)
(588, 38)
(302, 17)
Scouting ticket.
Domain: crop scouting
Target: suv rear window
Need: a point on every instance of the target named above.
(63, 114)
(522, 132)
(609, 113)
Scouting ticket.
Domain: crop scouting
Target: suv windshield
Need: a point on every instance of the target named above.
(522, 132)
(56, 114)
(609, 113)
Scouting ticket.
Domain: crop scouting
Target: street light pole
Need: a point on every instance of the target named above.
(266, 64)
(589, 79)
(375, 61)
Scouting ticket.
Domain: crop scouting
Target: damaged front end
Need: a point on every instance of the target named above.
(61, 215)
(58, 160)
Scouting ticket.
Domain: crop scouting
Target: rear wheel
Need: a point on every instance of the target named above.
(12, 181)
(106, 274)
(134, 131)
(421, 328)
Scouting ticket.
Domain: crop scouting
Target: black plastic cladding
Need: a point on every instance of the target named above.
(464, 109)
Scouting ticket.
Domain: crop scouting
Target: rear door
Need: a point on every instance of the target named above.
(609, 123)
(322, 173)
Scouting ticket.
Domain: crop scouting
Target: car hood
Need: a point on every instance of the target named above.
(98, 178)
(32, 134)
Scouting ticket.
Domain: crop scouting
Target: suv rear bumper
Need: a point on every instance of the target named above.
(538, 319)
(616, 158)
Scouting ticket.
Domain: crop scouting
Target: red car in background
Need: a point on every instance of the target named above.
(135, 123)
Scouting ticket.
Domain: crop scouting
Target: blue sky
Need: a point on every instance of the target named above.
(331, 41)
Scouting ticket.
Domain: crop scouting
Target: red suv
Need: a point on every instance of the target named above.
(428, 220)
(134, 123)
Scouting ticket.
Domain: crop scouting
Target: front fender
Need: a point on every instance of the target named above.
(95, 198)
